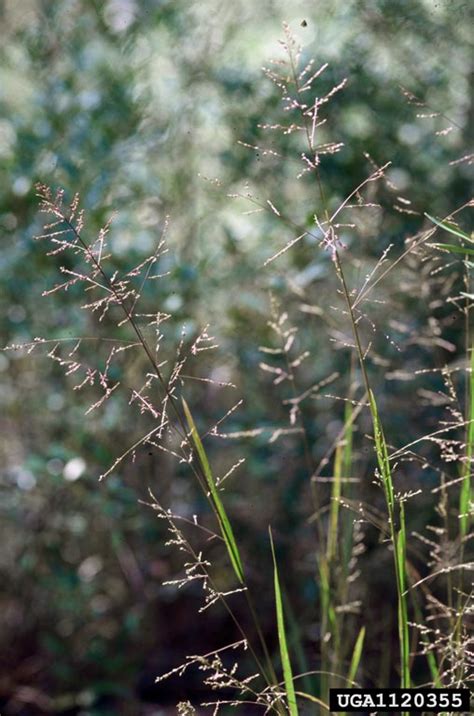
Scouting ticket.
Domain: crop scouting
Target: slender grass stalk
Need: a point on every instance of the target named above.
(335, 504)
(313, 699)
(346, 541)
(398, 541)
(328, 623)
(331, 621)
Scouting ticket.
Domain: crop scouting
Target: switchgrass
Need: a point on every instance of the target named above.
(429, 629)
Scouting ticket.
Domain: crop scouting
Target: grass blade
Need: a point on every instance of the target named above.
(356, 654)
(335, 502)
(355, 660)
(452, 228)
(382, 455)
(348, 437)
(328, 623)
(224, 523)
(285, 657)
(296, 644)
(398, 541)
(454, 249)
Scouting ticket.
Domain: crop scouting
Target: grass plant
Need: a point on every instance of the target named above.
(429, 629)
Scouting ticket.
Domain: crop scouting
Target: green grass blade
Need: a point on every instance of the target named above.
(355, 660)
(398, 541)
(334, 508)
(346, 526)
(452, 228)
(401, 549)
(382, 455)
(348, 438)
(285, 657)
(433, 667)
(465, 496)
(454, 249)
(356, 654)
(328, 614)
(342, 468)
(328, 623)
(226, 528)
(296, 644)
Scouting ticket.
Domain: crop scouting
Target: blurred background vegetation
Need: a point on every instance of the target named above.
(132, 104)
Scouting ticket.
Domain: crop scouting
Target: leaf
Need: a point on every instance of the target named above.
(398, 540)
(452, 228)
(382, 453)
(355, 660)
(224, 523)
(335, 501)
(455, 249)
(285, 657)
(356, 654)
(297, 645)
(433, 666)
